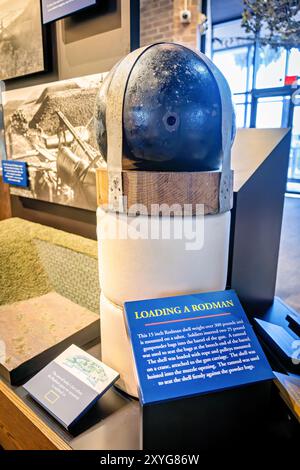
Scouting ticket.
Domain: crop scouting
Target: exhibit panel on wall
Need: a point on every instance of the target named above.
(21, 38)
(102, 38)
(51, 128)
(53, 11)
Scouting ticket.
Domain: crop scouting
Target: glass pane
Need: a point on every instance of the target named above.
(294, 167)
(239, 98)
(248, 114)
(240, 115)
(294, 62)
(240, 108)
(229, 34)
(271, 67)
(285, 111)
(269, 112)
(233, 65)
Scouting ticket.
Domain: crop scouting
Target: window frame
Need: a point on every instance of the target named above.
(253, 94)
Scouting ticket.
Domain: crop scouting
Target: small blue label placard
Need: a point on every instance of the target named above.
(15, 173)
(193, 344)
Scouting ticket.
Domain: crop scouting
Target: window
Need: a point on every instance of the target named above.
(236, 66)
(294, 168)
(255, 74)
(294, 62)
(271, 67)
(269, 112)
(242, 102)
(233, 63)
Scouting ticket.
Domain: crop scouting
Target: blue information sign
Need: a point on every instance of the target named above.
(55, 9)
(193, 344)
(15, 173)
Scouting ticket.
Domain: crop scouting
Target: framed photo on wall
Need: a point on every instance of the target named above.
(22, 38)
(50, 127)
(53, 11)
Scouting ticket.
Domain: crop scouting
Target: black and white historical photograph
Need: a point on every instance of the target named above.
(21, 38)
(51, 127)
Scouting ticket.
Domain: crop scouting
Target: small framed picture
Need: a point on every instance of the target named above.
(23, 39)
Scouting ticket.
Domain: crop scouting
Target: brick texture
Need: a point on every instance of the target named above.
(160, 21)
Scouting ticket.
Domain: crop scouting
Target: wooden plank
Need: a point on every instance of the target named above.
(102, 187)
(21, 428)
(148, 188)
(5, 206)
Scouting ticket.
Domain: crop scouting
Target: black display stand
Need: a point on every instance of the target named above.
(115, 422)
(279, 344)
(260, 162)
(213, 421)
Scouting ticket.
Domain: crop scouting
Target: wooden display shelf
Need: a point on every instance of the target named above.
(21, 428)
(114, 423)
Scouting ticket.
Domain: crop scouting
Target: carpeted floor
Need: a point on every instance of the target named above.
(288, 277)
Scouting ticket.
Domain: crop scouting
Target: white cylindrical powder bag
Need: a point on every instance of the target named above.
(135, 269)
(115, 345)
